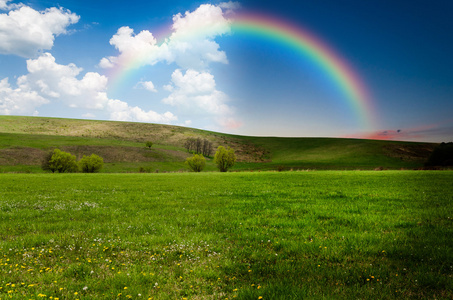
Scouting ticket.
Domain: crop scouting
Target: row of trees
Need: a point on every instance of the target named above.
(224, 159)
(64, 162)
(198, 146)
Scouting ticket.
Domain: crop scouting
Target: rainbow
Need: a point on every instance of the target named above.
(304, 42)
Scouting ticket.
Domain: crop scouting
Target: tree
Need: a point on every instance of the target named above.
(224, 158)
(198, 146)
(62, 162)
(149, 144)
(189, 144)
(196, 163)
(91, 164)
(207, 147)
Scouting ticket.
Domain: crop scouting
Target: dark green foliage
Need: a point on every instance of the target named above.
(45, 164)
(224, 158)
(442, 156)
(60, 161)
(91, 164)
(196, 163)
(149, 144)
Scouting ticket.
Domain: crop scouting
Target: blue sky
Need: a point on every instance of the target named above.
(59, 58)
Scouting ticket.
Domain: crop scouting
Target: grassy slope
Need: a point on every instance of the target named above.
(24, 140)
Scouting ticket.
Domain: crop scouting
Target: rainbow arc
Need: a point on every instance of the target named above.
(339, 71)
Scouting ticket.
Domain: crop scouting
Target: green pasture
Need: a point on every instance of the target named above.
(246, 235)
(24, 141)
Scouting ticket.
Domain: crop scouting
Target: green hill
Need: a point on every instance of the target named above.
(25, 140)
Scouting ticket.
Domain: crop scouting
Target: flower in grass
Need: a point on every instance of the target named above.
(85, 288)
(260, 297)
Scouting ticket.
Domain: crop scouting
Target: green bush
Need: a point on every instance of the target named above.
(224, 158)
(196, 163)
(149, 144)
(59, 161)
(91, 164)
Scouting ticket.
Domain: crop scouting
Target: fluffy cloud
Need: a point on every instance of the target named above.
(18, 101)
(49, 81)
(142, 48)
(147, 85)
(121, 111)
(52, 80)
(25, 31)
(191, 44)
(196, 92)
(5, 6)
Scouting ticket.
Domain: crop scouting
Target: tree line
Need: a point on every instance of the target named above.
(198, 146)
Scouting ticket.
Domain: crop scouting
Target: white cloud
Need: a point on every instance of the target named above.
(5, 6)
(121, 111)
(147, 85)
(207, 21)
(49, 81)
(61, 82)
(18, 101)
(196, 92)
(141, 48)
(191, 44)
(105, 63)
(25, 31)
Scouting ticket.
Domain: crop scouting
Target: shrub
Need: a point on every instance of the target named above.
(60, 162)
(196, 163)
(45, 164)
(224, 158)
(91, 164)
(149, 144)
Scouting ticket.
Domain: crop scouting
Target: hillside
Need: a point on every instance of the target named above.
(25, 140)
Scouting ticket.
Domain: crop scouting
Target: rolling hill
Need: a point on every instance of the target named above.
(25, 140)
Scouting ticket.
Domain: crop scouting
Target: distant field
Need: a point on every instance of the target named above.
(24, 141)
(249, 235)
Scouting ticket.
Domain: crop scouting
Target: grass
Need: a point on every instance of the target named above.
(288, 235)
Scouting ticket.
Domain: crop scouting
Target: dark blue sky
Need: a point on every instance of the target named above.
(400, 49)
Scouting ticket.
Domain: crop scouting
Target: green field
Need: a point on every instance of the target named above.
(247, 235)
(24, 141)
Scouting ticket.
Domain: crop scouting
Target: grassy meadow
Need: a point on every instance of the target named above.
(246, 235)
(24, 141)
